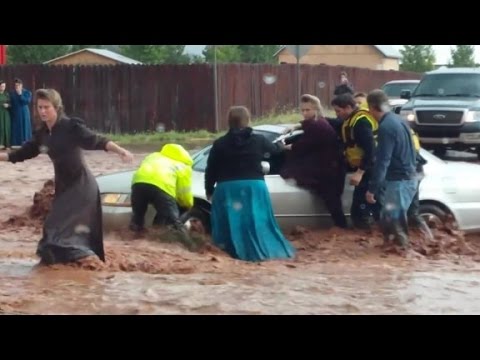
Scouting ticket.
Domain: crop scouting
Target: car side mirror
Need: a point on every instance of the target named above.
(265, 167)
(406, 94)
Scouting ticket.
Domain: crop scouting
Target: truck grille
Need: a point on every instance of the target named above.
(438, 132)
(439, 117)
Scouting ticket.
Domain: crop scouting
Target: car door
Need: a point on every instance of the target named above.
(294, 206)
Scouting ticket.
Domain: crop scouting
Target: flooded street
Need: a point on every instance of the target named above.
(335, 272)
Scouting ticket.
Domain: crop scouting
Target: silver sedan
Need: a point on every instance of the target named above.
(449, 189)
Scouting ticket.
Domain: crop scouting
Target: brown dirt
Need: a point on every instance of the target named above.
(337, 244)
(36, 214)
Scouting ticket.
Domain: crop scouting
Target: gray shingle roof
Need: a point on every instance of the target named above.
(102, 52)
(389, 51)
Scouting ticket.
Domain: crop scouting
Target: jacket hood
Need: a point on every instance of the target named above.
(178, 153)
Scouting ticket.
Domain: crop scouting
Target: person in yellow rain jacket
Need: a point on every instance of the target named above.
(358, 133)
(164, 180)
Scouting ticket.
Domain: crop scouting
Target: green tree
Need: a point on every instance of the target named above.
(197, 59)
(258, 53)
(80, 47)
(225, 53)
(462, 56)
(156, 54)
(418, 58)
(35, 54)
(242, 53)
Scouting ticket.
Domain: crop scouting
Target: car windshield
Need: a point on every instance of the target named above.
(393, 90)
(200, 159)
(465, 85)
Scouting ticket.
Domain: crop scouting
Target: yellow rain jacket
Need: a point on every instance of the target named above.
(353, 153)
(170, 170)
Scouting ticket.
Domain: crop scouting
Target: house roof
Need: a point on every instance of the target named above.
(102, 52)
(387, 50)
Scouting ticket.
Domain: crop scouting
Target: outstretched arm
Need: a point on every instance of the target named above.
(89, 140)
(124, 154)
(29, 150)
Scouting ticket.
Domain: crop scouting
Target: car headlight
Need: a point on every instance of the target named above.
(472, 116)
(407, 115)
(115, 199)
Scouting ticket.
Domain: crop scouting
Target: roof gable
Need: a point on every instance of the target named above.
(102, 52)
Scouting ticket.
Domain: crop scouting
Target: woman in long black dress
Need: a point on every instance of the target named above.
(73, 228)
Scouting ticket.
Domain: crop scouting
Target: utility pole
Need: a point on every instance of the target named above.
(297, 54)
(215, 88)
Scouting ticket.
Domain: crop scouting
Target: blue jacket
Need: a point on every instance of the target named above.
(395, 156)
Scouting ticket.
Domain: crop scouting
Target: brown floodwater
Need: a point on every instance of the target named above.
(335, 271)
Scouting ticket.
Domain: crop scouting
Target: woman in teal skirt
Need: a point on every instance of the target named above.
(243, 223)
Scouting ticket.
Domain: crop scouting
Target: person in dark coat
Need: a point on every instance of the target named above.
(73, 228)
(20, 100)
(316, 161)
(243, 222)
(345, 87)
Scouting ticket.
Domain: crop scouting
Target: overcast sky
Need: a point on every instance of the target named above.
(442, 52)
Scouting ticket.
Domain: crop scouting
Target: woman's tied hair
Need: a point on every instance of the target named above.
(238, 117)
(53, 96)
(315, 101)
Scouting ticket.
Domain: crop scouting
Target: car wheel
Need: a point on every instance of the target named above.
(477, 150)
(434, 216)
(197, 220)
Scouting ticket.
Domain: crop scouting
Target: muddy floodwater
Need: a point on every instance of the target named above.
(335, 271)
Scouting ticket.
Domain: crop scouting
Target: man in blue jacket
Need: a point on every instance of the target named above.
(394, 169)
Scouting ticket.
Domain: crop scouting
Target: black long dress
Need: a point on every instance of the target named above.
(73, 228)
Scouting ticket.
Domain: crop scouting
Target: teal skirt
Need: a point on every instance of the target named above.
(243, 223)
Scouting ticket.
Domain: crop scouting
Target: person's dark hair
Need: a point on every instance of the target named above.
(53, 96)
(378, 100)
(343, 73)
(238, 117)
(343, 89)
(344, 100)
(18, 81)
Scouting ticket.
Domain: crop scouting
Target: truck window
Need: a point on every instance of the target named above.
(449, 85)
(394, 90)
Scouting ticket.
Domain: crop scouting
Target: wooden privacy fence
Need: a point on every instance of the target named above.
(137, 98)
